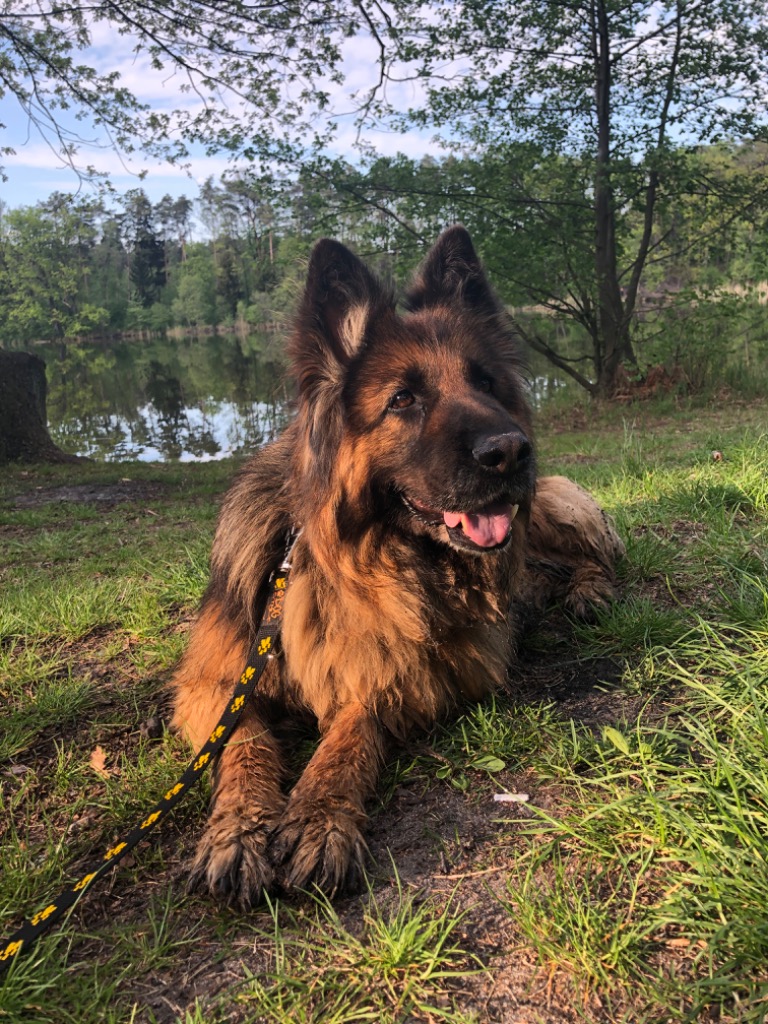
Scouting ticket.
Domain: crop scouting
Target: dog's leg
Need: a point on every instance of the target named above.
(231, 859)
(319, 839)
(572, 548)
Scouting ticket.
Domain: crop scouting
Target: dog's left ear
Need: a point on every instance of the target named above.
(452, 273)
(342, 304)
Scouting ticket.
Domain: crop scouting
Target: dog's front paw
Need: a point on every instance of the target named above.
(591, 589)
(320, 844)
(231, 861)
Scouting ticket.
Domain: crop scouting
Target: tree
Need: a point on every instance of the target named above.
(251, 78)
(173, 225)
(109, 271)
(251, 195)
(24, 433)
(44, 262)
(532, 216)
(147, 263)
(597, 99)
(195, 303)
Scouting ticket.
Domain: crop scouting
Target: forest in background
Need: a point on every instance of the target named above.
(608, 158)
(233, 256)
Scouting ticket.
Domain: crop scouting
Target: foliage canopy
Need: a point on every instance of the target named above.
(587, 115)
(241, 74)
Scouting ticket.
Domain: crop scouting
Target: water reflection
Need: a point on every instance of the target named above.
(197, 434)
(193, 399)
(542, 387)
(165, 399)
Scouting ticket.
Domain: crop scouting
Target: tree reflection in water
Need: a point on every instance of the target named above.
(165, 399)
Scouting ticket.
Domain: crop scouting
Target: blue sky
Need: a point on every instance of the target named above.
(36, 170)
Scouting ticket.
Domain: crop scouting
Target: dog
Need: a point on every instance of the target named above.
(425, 540)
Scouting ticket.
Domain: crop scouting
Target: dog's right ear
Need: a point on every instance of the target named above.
(452, 273)
(341, 300)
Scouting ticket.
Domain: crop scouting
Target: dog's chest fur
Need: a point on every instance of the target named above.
(404, 626)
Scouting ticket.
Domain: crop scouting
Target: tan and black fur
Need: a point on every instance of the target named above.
(426, 536)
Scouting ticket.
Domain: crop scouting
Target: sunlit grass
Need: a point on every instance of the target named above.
(678, 813)
(401, 966)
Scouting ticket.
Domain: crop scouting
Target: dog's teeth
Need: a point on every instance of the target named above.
(513, 512)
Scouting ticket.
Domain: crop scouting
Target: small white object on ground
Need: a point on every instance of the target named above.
(511, 798)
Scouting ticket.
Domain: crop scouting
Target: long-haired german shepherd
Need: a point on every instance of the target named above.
(410, 469)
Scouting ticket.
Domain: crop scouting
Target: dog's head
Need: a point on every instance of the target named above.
(416, 422)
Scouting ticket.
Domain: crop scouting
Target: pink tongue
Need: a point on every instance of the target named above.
(486, 529)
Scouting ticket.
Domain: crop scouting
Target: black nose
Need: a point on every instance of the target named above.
(504, 452)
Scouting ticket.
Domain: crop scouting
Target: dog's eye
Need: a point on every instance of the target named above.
(484, 383)
(402, 399)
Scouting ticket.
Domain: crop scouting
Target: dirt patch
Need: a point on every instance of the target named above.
(85, 494)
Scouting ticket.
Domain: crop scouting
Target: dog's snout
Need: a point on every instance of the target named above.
(503, 452)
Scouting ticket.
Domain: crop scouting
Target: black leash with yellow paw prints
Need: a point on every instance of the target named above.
(262, 650)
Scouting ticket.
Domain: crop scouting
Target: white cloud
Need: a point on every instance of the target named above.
(39, 156)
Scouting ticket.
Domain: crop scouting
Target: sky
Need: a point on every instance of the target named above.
(36, 170)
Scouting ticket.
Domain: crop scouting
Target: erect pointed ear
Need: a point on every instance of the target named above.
(452, 273)
(341, 299)
(341, 305)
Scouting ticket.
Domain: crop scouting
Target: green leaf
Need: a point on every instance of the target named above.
(489, 763)
(617, 739)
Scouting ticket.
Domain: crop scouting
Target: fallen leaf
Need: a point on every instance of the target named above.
(98, 761)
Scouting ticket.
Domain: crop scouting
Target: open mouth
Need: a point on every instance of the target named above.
(489, 527)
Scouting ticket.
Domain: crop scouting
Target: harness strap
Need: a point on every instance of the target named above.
(262, 650)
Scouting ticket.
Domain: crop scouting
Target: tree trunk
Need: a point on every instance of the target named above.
(613, 326)
(24, 433)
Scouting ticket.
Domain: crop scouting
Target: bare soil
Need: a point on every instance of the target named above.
(108, 494)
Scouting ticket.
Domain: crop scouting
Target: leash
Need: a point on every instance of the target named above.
(262, 650)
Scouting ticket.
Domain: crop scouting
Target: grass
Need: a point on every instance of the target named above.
(671, 823)
(631, 886)
(399, 966)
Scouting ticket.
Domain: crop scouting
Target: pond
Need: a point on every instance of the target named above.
(165, 399)
(170, 399)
